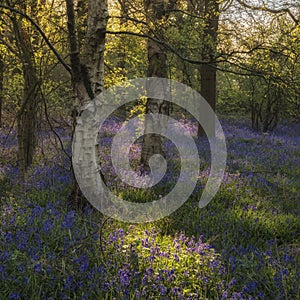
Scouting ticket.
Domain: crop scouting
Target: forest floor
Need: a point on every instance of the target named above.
(244, 245)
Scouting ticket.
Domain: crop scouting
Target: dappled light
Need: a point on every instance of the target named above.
(150, 149)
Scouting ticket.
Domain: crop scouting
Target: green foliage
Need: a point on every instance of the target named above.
(270, 90)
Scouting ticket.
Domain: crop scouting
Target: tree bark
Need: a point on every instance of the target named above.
(87, 66)
(122, 46)
(208, 71)
(1, 87)
(27, 114)
(157, 67)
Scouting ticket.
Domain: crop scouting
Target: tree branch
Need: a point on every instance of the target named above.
(9, 47)
(167, 46)
(74, 50)
(248, 72)
(51, 127)
(52, 48)
(270, 10)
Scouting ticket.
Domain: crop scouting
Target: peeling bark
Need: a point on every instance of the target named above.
(93, 52)
(87, 66)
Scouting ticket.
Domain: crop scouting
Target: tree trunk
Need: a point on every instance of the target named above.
(122, 46)
(87, 66)
(157, 67)
(208, 72)
(94, 47)
(1, 87)
(27, 114)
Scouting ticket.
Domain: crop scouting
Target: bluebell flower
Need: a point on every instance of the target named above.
(224, 295)
(237, 296)
(261, 295)
(124, 276)
(2, 268)
(69, 282)
(14, 296)
(137, 294)
(69, 220)
(232, 282)
(250, 287)
(48, 225)
(38, 268)
(84, 266)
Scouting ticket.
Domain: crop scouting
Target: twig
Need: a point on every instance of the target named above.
(101, 238)
(52, 129)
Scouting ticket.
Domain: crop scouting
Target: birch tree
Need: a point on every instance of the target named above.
(87, 64)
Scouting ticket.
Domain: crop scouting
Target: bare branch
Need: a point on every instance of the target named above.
(51, 127)
(127, 18)
(270, 10)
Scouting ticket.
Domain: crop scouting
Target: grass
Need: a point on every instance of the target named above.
(243, 245)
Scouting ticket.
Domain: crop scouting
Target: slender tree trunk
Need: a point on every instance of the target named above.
(253, 107)
(27, 114)
(208, 72)
(27, 119)
(157, 67)
(1, 87)
(122, 46)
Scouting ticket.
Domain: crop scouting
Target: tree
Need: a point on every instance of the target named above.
(1, 87)
(24, 45)
(87, 64)
(156, 12)
(87, 67)
(208, 71)
(263, 59)
(27, 113)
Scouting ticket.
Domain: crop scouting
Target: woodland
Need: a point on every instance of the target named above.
(242, 57)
